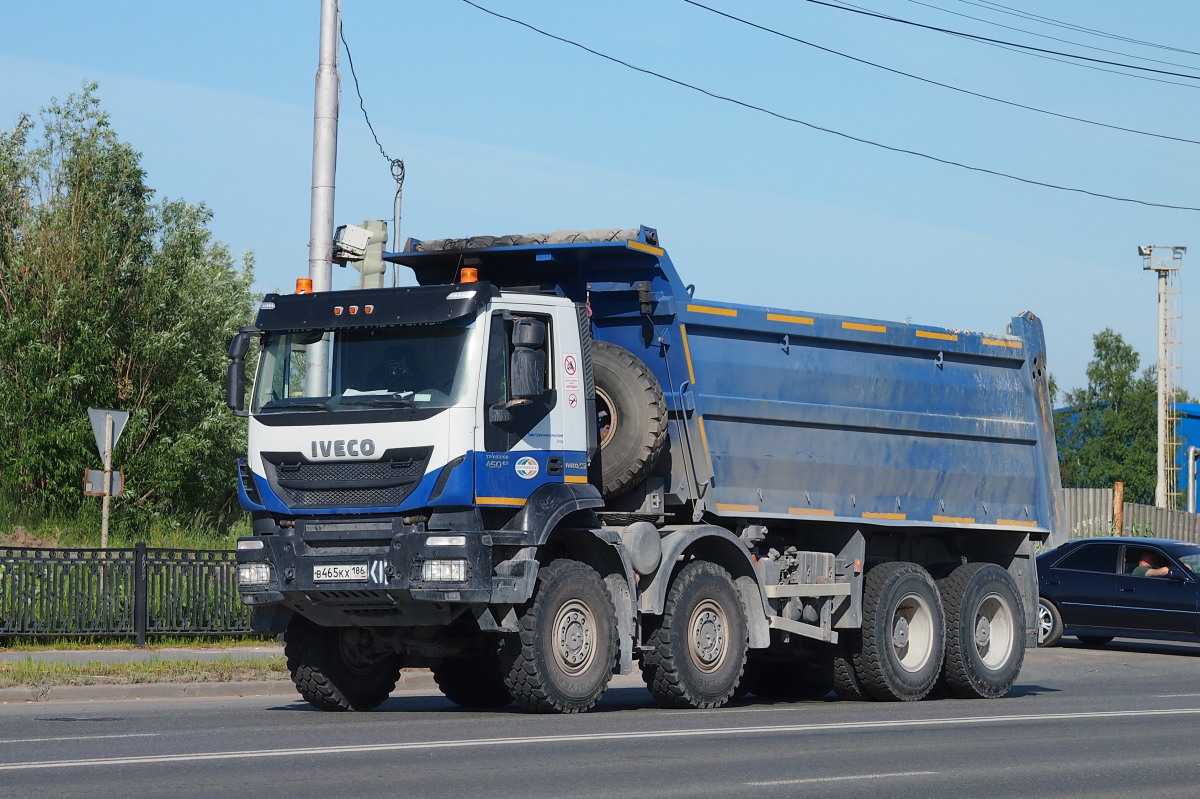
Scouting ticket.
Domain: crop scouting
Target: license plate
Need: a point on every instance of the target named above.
(339, 572)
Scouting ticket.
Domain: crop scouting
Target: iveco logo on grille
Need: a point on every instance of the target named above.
(343, 448)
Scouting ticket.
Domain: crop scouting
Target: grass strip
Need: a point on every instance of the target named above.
(32, 644)
(41, 675)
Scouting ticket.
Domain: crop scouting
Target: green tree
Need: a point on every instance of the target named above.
(1108, 432)
(111, 299)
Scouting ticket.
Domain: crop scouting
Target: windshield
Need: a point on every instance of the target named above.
(1190, 558)
(402, 367)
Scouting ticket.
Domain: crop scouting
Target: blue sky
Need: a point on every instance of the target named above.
(506, 131)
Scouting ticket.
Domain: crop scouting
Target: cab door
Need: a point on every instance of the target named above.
(519, 442)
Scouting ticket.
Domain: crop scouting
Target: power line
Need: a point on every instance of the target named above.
(362, 105)
(797, 121)
(775, 32)
(1016, 12)
(1045, 36)
(975, 37)
(395, 164)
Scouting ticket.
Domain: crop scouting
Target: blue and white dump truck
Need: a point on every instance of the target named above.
(548, 463)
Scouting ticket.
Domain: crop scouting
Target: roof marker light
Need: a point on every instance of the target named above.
(337, 310)
(353, 310)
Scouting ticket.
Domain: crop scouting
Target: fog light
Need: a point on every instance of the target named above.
(245, 544)
(444, 571)
(254, 573)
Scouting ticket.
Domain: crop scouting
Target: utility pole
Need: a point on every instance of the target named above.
(1168, 342)
(324, 169)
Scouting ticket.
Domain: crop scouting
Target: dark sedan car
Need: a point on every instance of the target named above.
(1098, 589)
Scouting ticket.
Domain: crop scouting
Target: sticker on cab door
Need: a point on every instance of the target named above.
(526, 467)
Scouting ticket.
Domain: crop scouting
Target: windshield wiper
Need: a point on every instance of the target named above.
(300, 404)
(379, 402)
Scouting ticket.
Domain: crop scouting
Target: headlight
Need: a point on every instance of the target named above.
(254, 574)
(444, 571)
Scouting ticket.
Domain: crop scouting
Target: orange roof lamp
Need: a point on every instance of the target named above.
(469, 274)
(304, 285)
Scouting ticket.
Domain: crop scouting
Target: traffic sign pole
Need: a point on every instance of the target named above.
(108, 435)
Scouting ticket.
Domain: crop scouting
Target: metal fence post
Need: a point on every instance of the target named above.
(141, 604)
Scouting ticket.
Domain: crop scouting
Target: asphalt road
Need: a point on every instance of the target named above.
(1103, 723)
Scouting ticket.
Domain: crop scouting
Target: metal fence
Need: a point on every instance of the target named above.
(139, 592)
(1089, 511)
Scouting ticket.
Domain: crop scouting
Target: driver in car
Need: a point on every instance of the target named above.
(1150, 565)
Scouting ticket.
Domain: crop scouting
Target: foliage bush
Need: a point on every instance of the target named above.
(1109, 430)
(111, 299)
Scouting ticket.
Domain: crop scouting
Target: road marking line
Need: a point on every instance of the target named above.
(845, 777)
(79, 738)
(591, 738)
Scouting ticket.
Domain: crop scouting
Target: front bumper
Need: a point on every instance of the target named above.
(381, 572)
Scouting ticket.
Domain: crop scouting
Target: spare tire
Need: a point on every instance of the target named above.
(632, 417)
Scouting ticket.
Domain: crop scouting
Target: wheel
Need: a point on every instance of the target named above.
(565, 654)
(472, 681)
(903, 639)
(1050, 623)
(696, 653)
(839, 666)
(1094, 640)
(337, 668)
(632, 417)
(985, 631)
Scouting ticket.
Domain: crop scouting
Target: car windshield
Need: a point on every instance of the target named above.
(420, 366)
(1190, 558)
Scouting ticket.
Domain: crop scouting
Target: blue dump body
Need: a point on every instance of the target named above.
(780, 414)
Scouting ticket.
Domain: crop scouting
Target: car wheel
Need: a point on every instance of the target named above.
(1050, 623)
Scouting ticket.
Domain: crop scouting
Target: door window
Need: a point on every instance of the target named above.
(1101, 557)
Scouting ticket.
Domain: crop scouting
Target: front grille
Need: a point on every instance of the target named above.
(387, 482)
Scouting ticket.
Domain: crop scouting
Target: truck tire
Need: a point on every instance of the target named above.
(985, 631)
(696, 654)
(332, 669)
(566, 651)
(1050, 623)
(472, 681)
(632, 417)
(839, 667)
(903, 633)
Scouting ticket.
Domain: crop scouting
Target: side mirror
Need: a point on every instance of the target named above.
(239, 345)
(235, 388)
(235, 377)
(1177, 574)
(528, 365)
